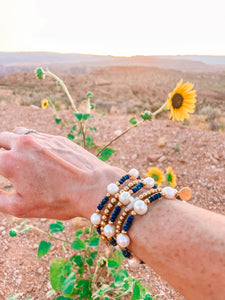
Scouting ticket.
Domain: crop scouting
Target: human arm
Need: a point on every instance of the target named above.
(54, 178)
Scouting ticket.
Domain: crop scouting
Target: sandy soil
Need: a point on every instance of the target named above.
(199, 164)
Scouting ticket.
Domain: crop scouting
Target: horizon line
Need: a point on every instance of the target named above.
(135, 55)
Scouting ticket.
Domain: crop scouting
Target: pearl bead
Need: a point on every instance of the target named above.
(133, 174)
(133, 262)
(140, 207)
(112, 188)
(123, 240)
(124, 198)
(96, 219)
(109, 230)
(169, 192)
(132, 201)
(149, 183)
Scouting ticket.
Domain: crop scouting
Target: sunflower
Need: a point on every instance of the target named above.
(44, 103)
(171, 177)
(156, 174)
(181, 101)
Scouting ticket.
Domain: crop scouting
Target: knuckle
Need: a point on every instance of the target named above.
(25, 141)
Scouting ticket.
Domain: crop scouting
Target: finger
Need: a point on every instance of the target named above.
(7, 165)
(7, 140)
(10, 204)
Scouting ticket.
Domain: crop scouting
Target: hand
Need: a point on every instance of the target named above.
(53, 177)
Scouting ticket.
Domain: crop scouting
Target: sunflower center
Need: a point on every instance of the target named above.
(177, 100)
(155, 177)
(169, 177)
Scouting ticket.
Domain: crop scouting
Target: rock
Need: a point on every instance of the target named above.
(162, 158)
(161, 142)
(153, 157)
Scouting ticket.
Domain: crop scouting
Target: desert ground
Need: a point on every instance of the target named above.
(195, 149)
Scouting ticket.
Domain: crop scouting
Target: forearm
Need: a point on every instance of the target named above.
(185, 245)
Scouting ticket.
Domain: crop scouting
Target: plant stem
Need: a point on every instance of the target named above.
(117, 137)
(48, 234)
(129, 128)
(64, 88)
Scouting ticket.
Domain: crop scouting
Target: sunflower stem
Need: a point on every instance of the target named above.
(159, 110)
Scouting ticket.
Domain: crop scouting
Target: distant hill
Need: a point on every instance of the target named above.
(83, 64)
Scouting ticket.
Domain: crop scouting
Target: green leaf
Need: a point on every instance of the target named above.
(78, 115)
(74, 128)
(148, 297)
(90, 262)
(93, 128)
(94, 241)
(106, 153)
(59, 270)
(86, 230)
(89, 95)
(43, 248)
(56, 227)
(87, 116)
(89, 141)
(93, 254)
(133, 121)
(118, 257)
(136, 291)
(78, 260)
(85, 291)
(92, 106)
(70, 136)
(113, 264)
(58, 120)
(78, 232)
(120, 275)
(78, 244)
(39, 73)
(12, 233)
(69, 283)
(63, 298)
(147, 115)
(29, 298)
(14, 296)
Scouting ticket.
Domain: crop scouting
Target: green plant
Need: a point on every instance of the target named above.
(86, 274)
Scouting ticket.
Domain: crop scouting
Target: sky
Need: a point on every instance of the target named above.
(118, 27)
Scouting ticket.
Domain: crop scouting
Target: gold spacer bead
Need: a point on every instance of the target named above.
(104, 218)
(111, 223)
(126, 188)
(117, 226)
(110, 206)
(117, 183)
(106, 211)
(121, 218)
(117, 195)
(95, 226)
(131, 192)
(108, 195)
(141, 197)
(130, 185)
(124, 214)
(145, 195)
(117, 231)
(127, 209)
(119, 204)
(133, 213)
(147, 201)
(124, 232)
(113, 200)
(97, 211)
(103, 223)
(102, 234)
(120, 222)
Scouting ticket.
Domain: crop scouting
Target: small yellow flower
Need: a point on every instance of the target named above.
(171, 177)
(156, 174)
(181, 101)
(44, 103)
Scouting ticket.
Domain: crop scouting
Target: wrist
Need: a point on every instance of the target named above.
(97, 188)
